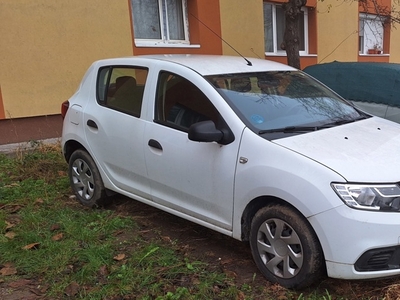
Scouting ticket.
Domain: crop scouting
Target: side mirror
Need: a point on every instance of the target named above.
(205, 132)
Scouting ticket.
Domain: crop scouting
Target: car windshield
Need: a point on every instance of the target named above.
(284, 101)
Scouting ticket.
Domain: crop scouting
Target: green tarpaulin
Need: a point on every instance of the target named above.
(359, 81)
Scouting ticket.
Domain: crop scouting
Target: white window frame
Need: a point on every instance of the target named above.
(165, 41)
(276, 48)
(376, 37)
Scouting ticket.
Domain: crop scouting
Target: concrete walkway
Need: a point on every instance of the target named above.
(9, 149)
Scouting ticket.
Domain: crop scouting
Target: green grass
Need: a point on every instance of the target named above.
(76, 246)
(75, 252)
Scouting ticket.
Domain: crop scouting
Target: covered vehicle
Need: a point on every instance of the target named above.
(372, 86)
(254, 149)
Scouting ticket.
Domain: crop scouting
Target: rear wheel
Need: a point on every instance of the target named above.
(85, 179)
(285, 247)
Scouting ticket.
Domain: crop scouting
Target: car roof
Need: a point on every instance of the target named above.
(210, 64)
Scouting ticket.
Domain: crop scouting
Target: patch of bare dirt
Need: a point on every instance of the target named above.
(223, 252)
(21, 289)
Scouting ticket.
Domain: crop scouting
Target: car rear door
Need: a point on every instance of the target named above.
(114, 129)
(194, 179)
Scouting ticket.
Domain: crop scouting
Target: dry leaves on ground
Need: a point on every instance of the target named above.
(32, 246)
(8, 269)
(119, 257)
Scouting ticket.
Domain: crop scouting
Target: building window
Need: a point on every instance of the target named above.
(370, 34)
(274, 28)
(160, 22)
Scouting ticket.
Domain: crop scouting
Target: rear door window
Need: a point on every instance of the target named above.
(121, 88)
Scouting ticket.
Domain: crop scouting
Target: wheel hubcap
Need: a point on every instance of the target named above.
(82, 178)
(280, 248)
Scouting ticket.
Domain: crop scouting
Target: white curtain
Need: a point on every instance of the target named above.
(268, 28)
(146, 19)
(373, 34)
(174, 17)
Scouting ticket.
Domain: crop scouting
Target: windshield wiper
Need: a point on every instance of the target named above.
(343, 121)
(289, 129)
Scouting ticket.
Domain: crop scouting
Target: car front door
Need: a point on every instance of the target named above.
(194, 179)
(114, 129)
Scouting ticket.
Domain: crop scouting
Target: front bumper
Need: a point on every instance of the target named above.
(359, 244)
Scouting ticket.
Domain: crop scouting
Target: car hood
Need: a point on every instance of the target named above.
(363, 151)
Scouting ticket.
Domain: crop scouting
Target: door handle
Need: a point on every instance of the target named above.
(92, 124)
(154, 144)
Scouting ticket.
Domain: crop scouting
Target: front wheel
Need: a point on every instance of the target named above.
(285, 247)
(85, 179)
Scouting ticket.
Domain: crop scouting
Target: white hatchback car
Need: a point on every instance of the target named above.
(253, 149)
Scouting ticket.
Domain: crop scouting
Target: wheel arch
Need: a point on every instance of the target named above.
(258, 203)
(249, 212)
(70, 147)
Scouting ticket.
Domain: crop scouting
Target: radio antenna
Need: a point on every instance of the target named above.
(248, 62)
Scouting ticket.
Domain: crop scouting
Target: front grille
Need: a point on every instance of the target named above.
(379, 260)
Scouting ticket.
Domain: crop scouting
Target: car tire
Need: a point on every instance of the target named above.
(285, 247)
(85, 179)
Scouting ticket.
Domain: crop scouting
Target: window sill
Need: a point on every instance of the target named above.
(148, 44)
(284, 54)
(384, 54)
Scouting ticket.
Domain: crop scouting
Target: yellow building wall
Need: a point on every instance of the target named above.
(47, 45)
(337, 31)
(395, 38)
(242, 26)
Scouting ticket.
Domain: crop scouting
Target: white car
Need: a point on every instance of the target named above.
(250, 148)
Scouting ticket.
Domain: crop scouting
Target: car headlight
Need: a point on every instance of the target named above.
(369, 197)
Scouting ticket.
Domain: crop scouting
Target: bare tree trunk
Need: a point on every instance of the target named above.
(291, 38)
